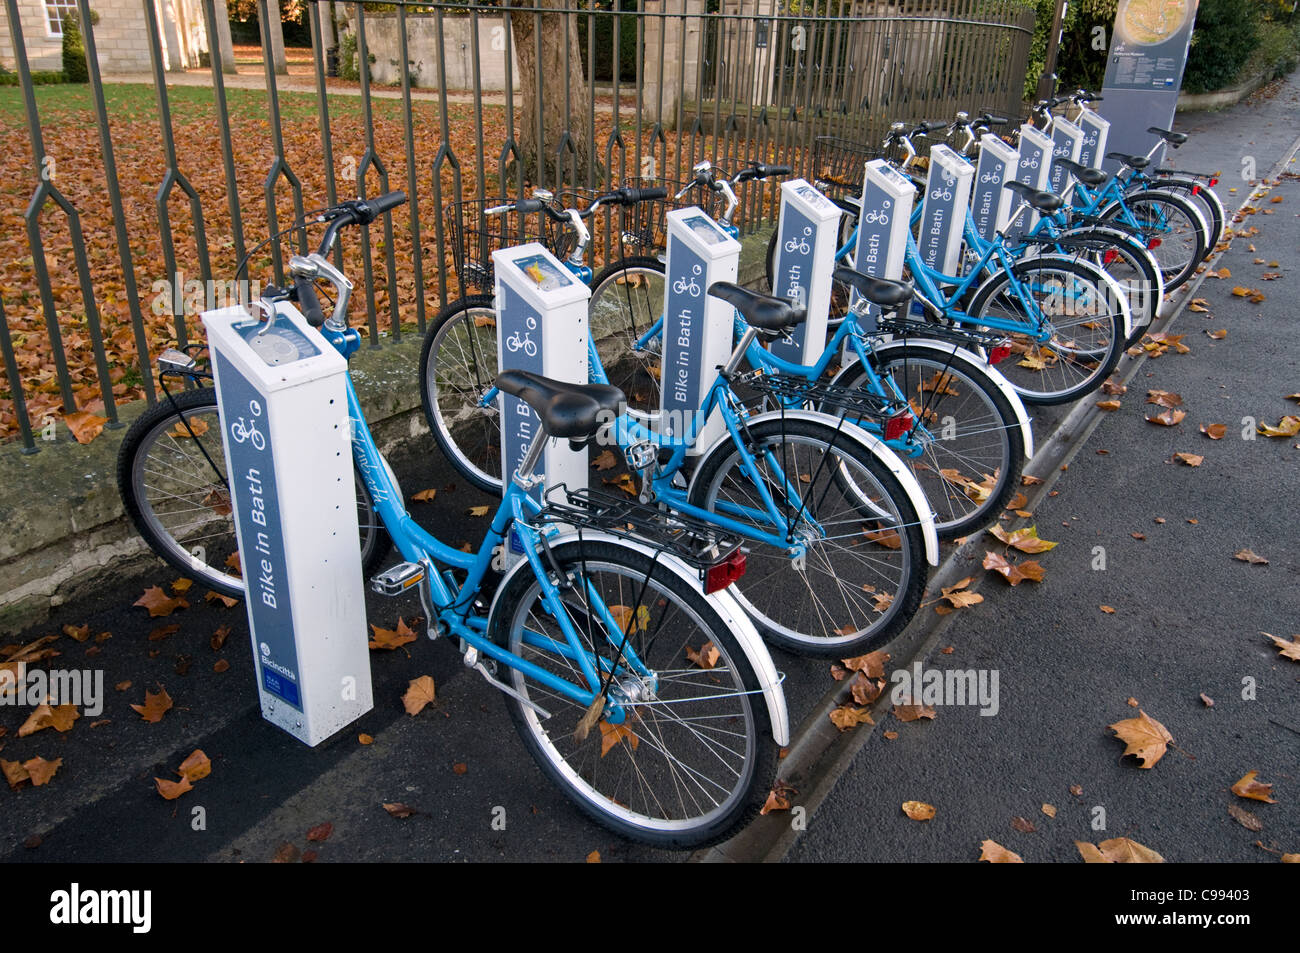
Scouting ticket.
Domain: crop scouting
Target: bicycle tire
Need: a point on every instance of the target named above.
(1131, 264)
(1205, 199)
(974, 452)
(1179, 233)
(884, 533)
(162, 473)
(669, 757)
(1098, 322)
(627, 298)
(458, 365)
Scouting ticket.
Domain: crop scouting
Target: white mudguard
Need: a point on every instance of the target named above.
(723, 601)
(980, 365)
(882, 452)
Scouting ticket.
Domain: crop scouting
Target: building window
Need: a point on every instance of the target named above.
(55, 11)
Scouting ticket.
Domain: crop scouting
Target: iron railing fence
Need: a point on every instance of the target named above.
(138, 201)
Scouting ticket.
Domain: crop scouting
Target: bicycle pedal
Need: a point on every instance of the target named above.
(398, 579)
(642, 455)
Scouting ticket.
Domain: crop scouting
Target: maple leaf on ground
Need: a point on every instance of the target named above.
(419, 693)
(321, 832)
(399, 811)
(1049, 810)
(159, 603)
(872, 664)
(1289, 426)
(1026, 539)
(171, 790)
(78, 633)
(39, 771)
(14, 772)
(593, 857)
(706, 657)
(1118, 850)
(1167, 418)
(424, 496)
(59, 717)
(1250, 556)
(1247, 787)
(1013, 573)
(1164, 398)
(865, 690)
(913, 712)
(1290, 649)
(780, 798)
(227, 601)
(156, 704)
(846, 717)
(1108, 405)
(391, 638)
(995, 853)
(611, 735)
(958, 596)
(1188, 459)
(605, 460)
(84, 425)
(196, 767)
(1146, 738)
(1214, 431)
(918, 810)
(1245, 818)
(36, 651)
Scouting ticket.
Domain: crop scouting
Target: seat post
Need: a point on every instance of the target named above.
(738, 354)
(524, 476)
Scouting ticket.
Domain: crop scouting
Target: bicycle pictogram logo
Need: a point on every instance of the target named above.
(691, 287)
(242, 432)
(800, 244)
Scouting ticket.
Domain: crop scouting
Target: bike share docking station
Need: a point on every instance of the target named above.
(1067, 141)
(1096, 130)
(991, 204)
(281, 390)
(1032, 169)
(884, 225)
(542, 328)
(699, 330)
(808, 232)
(943, 210)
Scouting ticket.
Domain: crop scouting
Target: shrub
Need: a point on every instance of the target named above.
(1227, 32)
(74, 52)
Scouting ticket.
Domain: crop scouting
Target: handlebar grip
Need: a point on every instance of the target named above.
(633, 196)
(991, 120)
(305, 291)
(529, 206)
(933, 125)
(370, 209)
(764, 171)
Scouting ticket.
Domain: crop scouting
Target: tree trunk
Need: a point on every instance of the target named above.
(546, 162)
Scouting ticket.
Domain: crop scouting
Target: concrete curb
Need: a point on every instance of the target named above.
(1223, 98)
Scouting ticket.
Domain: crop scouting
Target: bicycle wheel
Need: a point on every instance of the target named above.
(695, 758)
(458, 365)
(171, 473)
(971, 446)
(1129, 263)
(627, 298)
(1172, 228)
(1202, 196)
(1073, 320)
(865, 568)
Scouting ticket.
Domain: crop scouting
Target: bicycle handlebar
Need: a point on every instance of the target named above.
(305, 291)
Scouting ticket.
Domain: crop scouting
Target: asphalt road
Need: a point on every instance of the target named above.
(1186, 621)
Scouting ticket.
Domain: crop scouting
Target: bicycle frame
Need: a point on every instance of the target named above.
(453, 603)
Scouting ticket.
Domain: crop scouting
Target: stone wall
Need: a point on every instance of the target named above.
(424, 47)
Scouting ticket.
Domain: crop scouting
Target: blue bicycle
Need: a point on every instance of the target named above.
(629, 668)
(837, 530)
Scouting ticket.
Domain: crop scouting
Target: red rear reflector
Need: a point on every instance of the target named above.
(1196, 189)
(1214, 181)
(898, 426)
(1154, 243)
(1109, 257)
(999, 354)
(721, 575)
